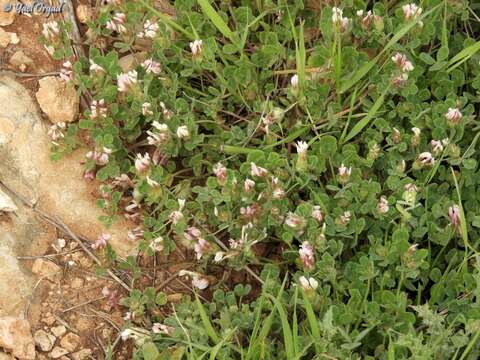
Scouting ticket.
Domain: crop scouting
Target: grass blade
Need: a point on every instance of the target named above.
(287, 331)
(463, 56)
(313, 322)
(217, 20)
(206, 322)
(371, 113)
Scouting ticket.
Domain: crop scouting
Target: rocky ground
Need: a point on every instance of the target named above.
(53, 302)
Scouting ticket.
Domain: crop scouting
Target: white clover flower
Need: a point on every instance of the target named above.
(437, 146)
(198, 280)
(294, 81)
(98, 109)
(196, 48)
(317, 213)
(152, 67)
(200, 283)
(344, 173)
(309, 284)
(426, 158)
(454, 215)
(295, 221)
(302, 147)
(359, 13)
(345, 217)
(101, 241)
(453, 115)
(149, 30)
(175, 217)
(100, 157)
(307, 255)
(147, 109)
(56, 131)
(201, 248)
(135, 234)
(126, 334)
(339, 19)
(158, 328)
(382, 205)
(117, 24)
(142, 162)
(183, 132)
(66, 73)
(400, 79)
(166, 112)
(125, 80)
(411, 11)
(157, 244)
(248, 185)
(220, 172)
(401, 61)
(257, 170)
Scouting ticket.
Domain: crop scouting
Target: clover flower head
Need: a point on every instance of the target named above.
(411, 11)
(308, 284)
(453, 115)
(382, 205)
(101, 241)
(196, 47)
(151, 66)
(149, 30)
(220, 172)
(307, 255)
(257, 170)
(183, 132)
(454, 215)
(426, 158)
(142, 162)
(126, 80)
(201, 247)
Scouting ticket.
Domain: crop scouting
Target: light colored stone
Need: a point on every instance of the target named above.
(25, 166)
(20, 60)
(57, 99)
(15, 337)
(6, 18)
(4, 38)
(58, 352)
(4, 356)
(59, 331)
(70, 342)
(82, 354)
(6, 203)
(7, 38)
(14, 39)
(44, 340)
(84, 13)
(45, 268)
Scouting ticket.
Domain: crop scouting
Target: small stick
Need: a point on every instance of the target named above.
(64, 323)
(83, 304)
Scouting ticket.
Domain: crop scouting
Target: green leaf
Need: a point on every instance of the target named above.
(217, 20)
(371, 113)
(150, 351)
